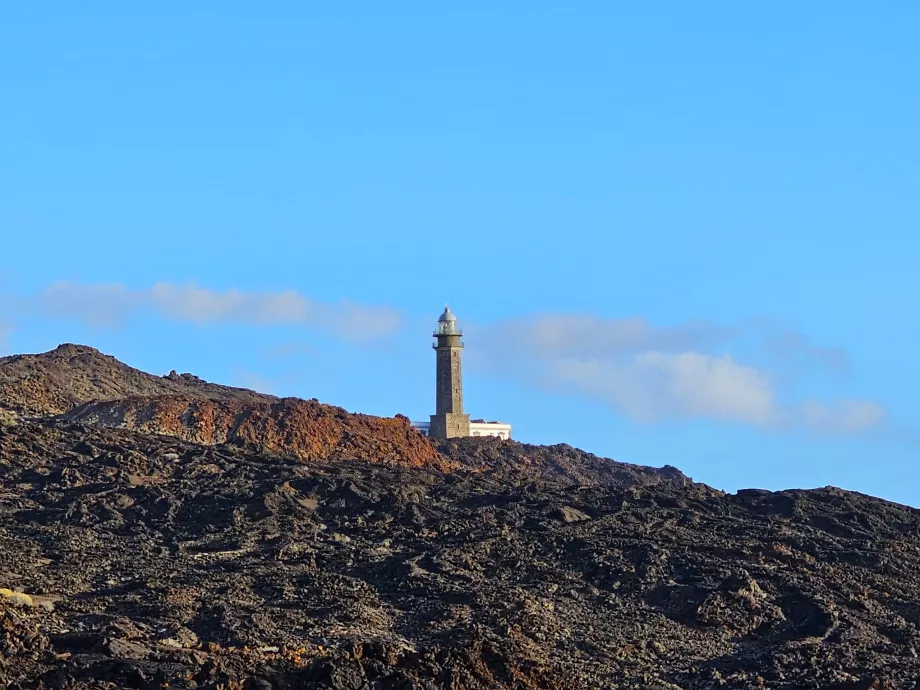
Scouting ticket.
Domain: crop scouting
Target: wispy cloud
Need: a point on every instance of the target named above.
(108, 305)
(275, 384)
(5, 329)
(700, 369)
(795, 353)
(255, 381)
(289, 350)
(652, 373)
(584, 335)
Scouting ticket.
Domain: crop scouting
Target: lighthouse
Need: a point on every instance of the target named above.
(449, 421)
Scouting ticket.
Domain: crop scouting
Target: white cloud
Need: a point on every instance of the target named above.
(717, 387)
(651, 373)
(653, 385)
(202, 306)
(694, 370)
(109, 305)
(586, 335)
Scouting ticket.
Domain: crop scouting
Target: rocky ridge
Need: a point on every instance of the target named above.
(55, 382)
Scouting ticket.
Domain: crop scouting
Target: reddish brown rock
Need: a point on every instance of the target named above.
(304, 429)
(82, 384)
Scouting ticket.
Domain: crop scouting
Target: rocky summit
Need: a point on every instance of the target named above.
(167, 532)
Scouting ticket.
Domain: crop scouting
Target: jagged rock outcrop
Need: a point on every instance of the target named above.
(304, 429)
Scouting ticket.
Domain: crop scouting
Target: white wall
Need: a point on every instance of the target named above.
(490, 429)
(494, 429)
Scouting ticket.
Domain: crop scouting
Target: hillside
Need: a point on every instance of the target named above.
(79, 383)
(211, 537)
(70, 375)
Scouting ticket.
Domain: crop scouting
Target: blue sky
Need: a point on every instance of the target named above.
(677, 233)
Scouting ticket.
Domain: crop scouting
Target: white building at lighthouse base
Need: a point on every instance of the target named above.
(478, 427)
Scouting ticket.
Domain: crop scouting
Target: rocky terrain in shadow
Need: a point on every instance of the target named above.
(135, 553)
(515, 462)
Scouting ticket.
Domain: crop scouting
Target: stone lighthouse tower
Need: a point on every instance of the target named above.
(448, 420)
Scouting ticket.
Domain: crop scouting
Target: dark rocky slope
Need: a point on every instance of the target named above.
(516, 462)
(145, 561)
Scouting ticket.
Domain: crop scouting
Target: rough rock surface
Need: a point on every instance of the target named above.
(552, 463)
(305, 429)
(221, 558)
(148, 560)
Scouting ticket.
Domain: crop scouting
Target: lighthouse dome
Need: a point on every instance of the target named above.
(447, 323)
